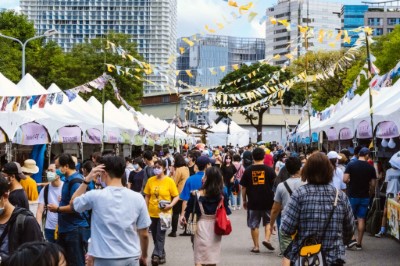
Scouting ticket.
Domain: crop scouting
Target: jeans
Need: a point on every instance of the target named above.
(75, 244)
(236, 200)
(49, 235)
(158, 237)
(176, 211)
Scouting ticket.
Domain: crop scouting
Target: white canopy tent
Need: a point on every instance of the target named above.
(238, 135)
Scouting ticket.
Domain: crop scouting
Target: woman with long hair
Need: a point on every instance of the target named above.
(229, 172)
(311, 212)
(180, 174)
(161, 195)
(207, 245)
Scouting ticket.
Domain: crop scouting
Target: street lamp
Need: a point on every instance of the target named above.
(47, 33)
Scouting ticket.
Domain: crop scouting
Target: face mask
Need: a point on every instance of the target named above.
(59, 173)
(187, 160)
(51, 176)
(1, 209)
(135, 166)
(157, 171)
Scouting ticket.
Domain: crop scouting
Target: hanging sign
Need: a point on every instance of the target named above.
(31, 134)
(387, 129)
(332, 134)
(68, 135)
(92, 136)
(345, 134)
(364, 130)
(2, 137)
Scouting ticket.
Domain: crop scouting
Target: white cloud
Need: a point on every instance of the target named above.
(10, 4)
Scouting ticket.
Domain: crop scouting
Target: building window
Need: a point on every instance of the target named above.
(393, 21)
(165, 99)
(378, 31)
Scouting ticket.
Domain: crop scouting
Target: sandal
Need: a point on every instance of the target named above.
(255, 250)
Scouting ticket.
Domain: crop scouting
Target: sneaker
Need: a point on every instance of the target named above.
(172, 234)
(234, 208)
(352, 243)
(380, 234)
(358, 247)
(163, 260)
(238, 208)
(155, 261)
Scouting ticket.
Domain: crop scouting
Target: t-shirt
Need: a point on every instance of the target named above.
(30, 188)
(269, 160)
(180, 177)
(164, 189)
(52, 198)
(258, 181)
(194, 182)
(247, 159)
(136, 180)
(191, 170)
(282, 195)
(18, 198)
(70, 221)
(393, 181)
(228, 172)
(111, 236)
(337, 179)
(361, 173)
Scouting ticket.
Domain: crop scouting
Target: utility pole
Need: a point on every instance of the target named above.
(306, 72)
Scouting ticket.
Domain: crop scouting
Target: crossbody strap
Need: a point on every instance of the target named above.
(331, 214)
(288, 188)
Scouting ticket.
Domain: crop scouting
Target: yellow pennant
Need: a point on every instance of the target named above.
(251, 16)
(209, 29)
(368, 30)
(189, 42)
(130, 57)
(182, 50)
(249, 75)
(339, 35)
(232, 3)
(110, 67)
(284, 22)
(273, 20)
(177, 72)
(244, 8)
(189, 73)
(235, 66)
(332, 44)
(222, 68)
(276, 57)
(220, 25)
(289, 56)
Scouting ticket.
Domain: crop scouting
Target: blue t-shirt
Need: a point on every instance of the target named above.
(194, 182)
(67, 222)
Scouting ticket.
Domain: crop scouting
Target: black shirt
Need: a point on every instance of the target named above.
(191, 170)
(136, 180)
(18, 198)
(228, 172)
(258, 181)
(247, 159)
(361, 173)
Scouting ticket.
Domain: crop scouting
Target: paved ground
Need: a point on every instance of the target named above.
(236, 249)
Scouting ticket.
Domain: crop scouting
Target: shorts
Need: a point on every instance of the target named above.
(360, 207)
(254, 218)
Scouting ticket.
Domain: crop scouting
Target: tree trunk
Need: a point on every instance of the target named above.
(260, 124)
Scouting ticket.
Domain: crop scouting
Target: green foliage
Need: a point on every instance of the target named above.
(49, 64)
(249, 84)
(386, 50)
(328, 91)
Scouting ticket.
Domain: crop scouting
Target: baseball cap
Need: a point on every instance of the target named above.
(364, 151)
(333, 155)
(13, 168)
(202, 161)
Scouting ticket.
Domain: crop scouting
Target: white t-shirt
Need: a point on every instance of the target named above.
(337, 179)
(282, 195)
(393, 181)
(116, 213)
(53, 196)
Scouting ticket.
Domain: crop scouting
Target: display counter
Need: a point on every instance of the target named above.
(393, 215)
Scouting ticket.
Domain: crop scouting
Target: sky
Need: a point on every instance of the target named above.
(193, 15)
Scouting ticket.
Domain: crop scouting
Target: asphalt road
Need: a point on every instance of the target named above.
(236, 249)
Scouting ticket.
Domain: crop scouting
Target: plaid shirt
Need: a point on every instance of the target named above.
(308, 211)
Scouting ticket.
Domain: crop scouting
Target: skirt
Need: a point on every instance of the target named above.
(207, 245)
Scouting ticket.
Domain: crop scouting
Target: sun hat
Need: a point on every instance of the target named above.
(30, 167)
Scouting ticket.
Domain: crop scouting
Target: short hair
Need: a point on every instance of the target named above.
(113, 165)
(88, 165)
(162, 163)
(96, 155)
(66, 159)
(357, 150)
(258, 154)
(318, 170)
(139, 161)
(179, 161)
(148, 155)
(37, 254)
(236, 158)
(128, 159)
(4, 186)
(293, 165)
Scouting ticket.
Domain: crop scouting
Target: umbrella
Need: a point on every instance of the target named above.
(395, 160)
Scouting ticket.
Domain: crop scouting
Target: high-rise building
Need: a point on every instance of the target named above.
(152, 25)
(316, 14)
(212, 57)
(382, 16)
(353, 18)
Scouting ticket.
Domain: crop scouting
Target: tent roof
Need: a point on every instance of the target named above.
(8, 88)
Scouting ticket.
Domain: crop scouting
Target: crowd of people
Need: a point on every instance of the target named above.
(103, 210)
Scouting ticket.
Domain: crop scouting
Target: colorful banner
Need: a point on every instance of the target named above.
(364, 130)
(111, 137)
(393, 215)
(92, 136)
(345, 134)
(68, 135)
(387, 129)
(31, 134)
(332, 134)
(3, 137)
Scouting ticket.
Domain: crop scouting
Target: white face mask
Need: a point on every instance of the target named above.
(135, 166)
(51, 176)
(157, 171)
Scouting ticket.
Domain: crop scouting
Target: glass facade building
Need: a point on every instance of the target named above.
(211, 52)
(152, 24)
(317, 14)
(352, 18)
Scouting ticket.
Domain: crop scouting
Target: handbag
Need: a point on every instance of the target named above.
(192, 221)
(310, 252)
(222, 225)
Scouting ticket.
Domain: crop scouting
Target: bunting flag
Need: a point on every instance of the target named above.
(209, 29)
(189, 73)
(251, 16)
(16, 104)
(42, 101)
(189, 42)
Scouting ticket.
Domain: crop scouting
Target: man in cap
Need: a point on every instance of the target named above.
(29, 184)
(360, 177)
(14, 175)
(18, 225)
(193, 183)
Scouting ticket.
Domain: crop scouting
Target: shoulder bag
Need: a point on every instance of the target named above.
(223, 225)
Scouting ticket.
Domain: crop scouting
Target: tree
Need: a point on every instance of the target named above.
(262, 76)
(328, 91)
(386, 50)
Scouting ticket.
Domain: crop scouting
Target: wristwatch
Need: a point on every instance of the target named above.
(58, 210)
(86, 182)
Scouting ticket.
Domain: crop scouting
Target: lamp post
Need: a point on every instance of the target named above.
(47, 33)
